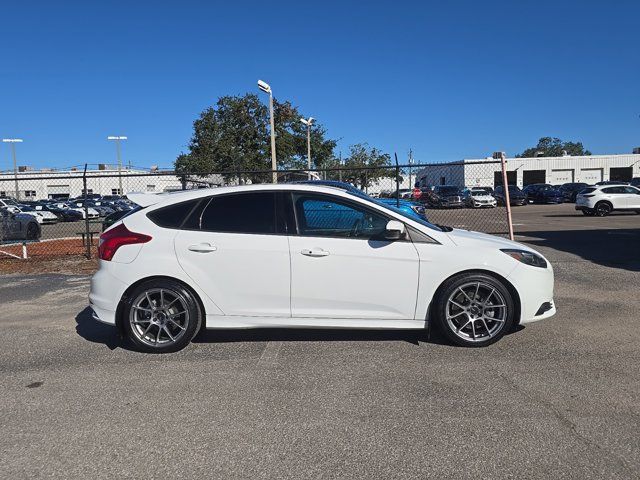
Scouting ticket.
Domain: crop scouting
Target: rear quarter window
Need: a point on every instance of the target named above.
(173, 216)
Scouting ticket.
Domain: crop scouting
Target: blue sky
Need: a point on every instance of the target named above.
(448, 79)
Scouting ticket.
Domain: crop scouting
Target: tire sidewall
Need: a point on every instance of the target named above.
(448, 287)
(195, 315)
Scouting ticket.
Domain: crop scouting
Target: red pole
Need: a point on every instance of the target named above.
(505, 183)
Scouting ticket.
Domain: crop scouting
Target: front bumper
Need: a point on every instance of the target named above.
(535, 287)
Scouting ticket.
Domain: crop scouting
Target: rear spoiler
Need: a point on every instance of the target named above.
(144, 199)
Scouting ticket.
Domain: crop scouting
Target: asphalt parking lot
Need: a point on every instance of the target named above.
(556, 399)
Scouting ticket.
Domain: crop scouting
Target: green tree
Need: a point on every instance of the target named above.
(233, 136)
(553, 147)
(361, 156)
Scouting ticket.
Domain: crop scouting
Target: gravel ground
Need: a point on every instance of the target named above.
(557, 399)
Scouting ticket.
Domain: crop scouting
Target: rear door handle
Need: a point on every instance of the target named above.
(314, 252)
(202, 248)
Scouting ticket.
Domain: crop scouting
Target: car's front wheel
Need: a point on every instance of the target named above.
(161, 316)
(473, 309)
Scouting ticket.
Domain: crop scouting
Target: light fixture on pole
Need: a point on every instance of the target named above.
(117, 139)
(12, 142)
(266, 88)
(308, 122)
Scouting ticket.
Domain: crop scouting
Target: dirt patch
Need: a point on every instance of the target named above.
(67, 265)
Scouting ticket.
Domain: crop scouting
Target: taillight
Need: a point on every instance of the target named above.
(112, 240)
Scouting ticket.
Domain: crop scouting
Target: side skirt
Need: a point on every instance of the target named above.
(227, 321)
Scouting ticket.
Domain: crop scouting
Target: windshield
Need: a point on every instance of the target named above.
(448, 190)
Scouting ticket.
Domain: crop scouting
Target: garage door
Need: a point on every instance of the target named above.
(558, 177)
(534, 176)
(621, 174)
(591, 175)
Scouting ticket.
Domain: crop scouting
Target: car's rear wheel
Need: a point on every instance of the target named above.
(603, 209)
(473, 310)
(161, 316)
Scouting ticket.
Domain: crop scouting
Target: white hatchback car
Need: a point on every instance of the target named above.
(604, 199)
(297, 255)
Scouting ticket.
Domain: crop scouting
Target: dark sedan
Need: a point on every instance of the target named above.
(543, 193)
(447, 196)
(516, 196)
(571, 190)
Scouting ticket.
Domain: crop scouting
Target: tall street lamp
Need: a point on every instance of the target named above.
(308, 122)
(12, 142)
(266, 88)
(117, 139)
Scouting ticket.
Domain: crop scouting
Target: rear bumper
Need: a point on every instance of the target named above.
(105, 294)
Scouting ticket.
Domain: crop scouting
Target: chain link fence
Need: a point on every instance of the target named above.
(44, 214)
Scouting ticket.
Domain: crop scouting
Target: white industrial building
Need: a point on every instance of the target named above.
(525, 171)
(61, 184)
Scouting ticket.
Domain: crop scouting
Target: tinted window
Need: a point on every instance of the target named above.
(631, 190)
(326, 216)
(613, 190)
(251, 212)
(172, 216)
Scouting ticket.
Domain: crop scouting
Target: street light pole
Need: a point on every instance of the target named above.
(117, 140)
(308, 122)
(266, 88)
(12, 142)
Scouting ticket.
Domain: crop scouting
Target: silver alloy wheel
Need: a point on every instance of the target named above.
(159, 317)
(476, 311)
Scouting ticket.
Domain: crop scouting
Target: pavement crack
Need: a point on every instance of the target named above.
(570, 425)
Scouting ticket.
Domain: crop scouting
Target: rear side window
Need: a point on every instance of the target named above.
(588, 190)
(613, 190)
(172, 216)
(251, 212)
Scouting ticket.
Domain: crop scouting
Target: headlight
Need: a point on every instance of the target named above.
(527, 257)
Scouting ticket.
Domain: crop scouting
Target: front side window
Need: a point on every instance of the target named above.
(251, 212)
(631, 190)
(325, 216)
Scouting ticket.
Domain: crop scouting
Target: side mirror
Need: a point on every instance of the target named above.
(395, 230)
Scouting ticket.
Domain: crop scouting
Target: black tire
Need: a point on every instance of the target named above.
(33, 231)
(170, 288)
(603, 209)
(450, 288)
(588, 213)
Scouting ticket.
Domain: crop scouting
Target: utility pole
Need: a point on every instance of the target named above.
(308, 122)
(503, 163)
(266, 88)
(117, 140)
(410, 163)
(12, 142)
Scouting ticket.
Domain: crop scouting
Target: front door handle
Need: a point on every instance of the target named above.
(314, 252)
(202, 248)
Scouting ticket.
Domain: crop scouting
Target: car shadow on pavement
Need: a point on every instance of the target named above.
(615, 247)
(94, 331)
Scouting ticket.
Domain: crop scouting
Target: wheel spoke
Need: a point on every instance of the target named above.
(138, 322)
(171, 303)
(456, 315)
(166, 330)
(468, 322)
(177, 324)
(465, 294)
(148, 310)
(475, 295)
(151, 305)
(147, 330)
(489, 297)
(158, 334)
(161, 298)
(174, 315)
(486, 327)
(494, 306)
(473, 329)
(456, 304)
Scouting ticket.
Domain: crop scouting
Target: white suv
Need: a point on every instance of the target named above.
(298, 255)
(604, 199)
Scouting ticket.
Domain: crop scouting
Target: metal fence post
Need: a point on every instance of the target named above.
(86, 214)
(397, 181)
(505, 183)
